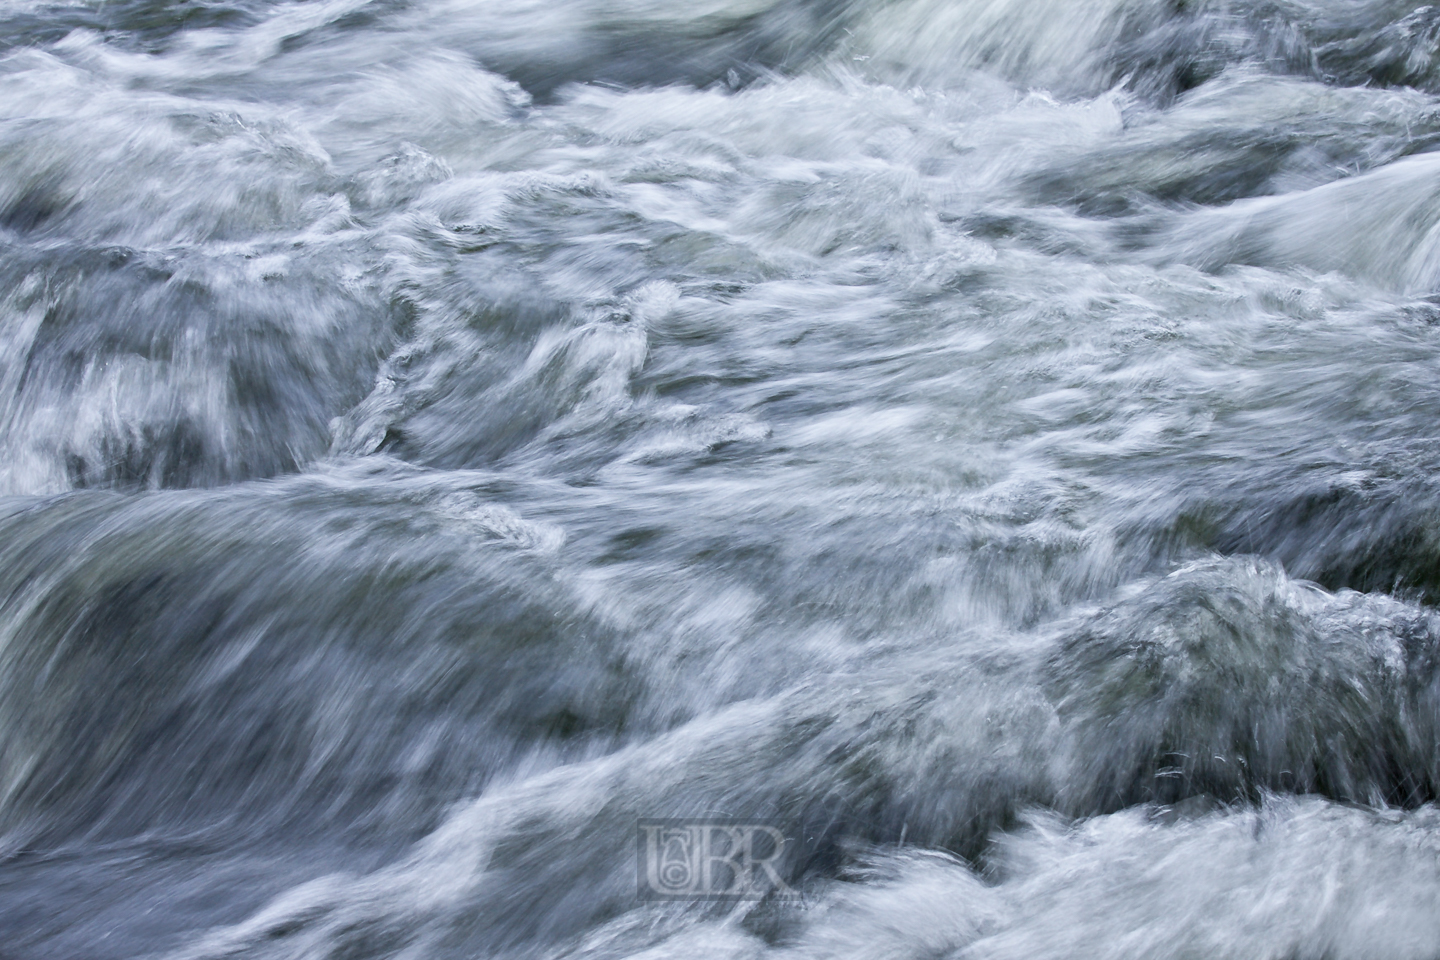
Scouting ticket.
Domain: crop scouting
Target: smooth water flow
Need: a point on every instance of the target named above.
(997, 441)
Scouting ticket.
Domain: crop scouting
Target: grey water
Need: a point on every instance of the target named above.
(997, 439)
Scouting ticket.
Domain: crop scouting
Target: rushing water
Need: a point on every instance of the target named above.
(996, 439)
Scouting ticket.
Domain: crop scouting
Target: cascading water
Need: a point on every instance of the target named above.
(994, 440)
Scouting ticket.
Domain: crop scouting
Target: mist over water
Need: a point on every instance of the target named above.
(996, 439)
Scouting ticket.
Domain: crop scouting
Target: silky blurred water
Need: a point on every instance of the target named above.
(996, 439)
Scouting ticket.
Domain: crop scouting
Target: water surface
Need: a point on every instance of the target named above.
(997, 439)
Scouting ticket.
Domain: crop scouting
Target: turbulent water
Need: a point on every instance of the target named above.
(997, 440)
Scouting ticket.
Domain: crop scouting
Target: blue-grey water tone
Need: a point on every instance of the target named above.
(997, 439)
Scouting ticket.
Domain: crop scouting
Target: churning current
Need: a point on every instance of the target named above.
(994, 445)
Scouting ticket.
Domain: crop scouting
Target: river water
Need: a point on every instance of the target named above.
(995, 440)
